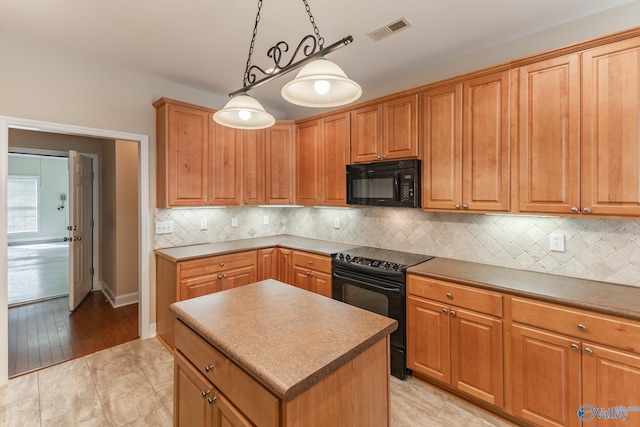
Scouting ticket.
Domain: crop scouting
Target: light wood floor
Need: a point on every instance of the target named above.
(46, 333)
(132, 384)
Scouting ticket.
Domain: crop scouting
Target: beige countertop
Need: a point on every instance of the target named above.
(602, 297)
(285, 337)
(321, 247)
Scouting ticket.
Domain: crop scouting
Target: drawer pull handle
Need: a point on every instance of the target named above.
(574, 347)
(222, 264)
(444, 310)
(452, 313)
(582, 327)
(588, 350)
(310, 262)
(211, 400)
(205, 393)
(449, 295)
(208, 367)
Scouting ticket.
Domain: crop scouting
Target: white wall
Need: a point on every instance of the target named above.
(53, 175)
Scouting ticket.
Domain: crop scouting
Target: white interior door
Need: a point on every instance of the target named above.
(80, 228)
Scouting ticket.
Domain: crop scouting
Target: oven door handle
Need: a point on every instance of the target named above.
(362, 280)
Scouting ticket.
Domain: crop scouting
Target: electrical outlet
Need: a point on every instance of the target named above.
(234, 221)
(265, 220)
(556, 242)
(203, 224)
(164, 227)
(336, 223)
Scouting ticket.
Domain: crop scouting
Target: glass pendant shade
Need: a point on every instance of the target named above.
(244, 112)
(321, 83)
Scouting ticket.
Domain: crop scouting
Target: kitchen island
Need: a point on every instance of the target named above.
(274, 355)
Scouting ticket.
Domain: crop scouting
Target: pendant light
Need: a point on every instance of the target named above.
(320, 83)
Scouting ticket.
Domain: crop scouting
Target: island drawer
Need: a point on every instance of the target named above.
(215, 264)
(479, 300)
(583, 325)
(312, 261)
(251, 398)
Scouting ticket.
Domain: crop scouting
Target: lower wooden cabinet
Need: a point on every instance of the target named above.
(312, 272)
(557, 369)
(285, 266)
(454, 345)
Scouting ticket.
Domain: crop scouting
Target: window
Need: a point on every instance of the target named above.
(22, 204)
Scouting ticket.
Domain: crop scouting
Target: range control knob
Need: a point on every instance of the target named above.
(348, 258)
(396, 267)
(341, 256)
(387, 265)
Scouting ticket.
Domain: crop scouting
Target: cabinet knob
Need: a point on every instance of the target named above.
(444, 310)
(225, 276)
(586, 210)
(582, 327)
(310, 262)
(384, 157)
(204, 393)
(309, 273)
(212, 399)
(574, 209)
(290, 202)
(222, 264)
(379, 157)
(449, 295)
(575, 347)
(208, 368)
(588, 350)
(452, 313)
(457, 206)
(465, 206)
(219, 276)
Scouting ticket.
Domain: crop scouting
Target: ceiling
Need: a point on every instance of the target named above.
(204, 43)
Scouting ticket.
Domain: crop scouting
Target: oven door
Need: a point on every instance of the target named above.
(373, 293)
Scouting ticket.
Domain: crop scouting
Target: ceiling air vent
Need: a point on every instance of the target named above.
(389, 29)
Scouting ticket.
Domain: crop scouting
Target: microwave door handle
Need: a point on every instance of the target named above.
(397, 186)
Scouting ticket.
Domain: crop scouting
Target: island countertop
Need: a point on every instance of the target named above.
(286, 338)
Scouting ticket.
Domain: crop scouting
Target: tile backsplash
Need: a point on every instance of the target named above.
(597, 249)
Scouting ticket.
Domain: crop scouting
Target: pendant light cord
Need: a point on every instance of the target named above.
(315, 27)
(253, 42)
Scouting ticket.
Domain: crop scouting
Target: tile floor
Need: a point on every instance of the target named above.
(37, 271)
(132, 385)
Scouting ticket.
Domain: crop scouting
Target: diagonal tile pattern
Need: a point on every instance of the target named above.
(132, 385)
(596, 249)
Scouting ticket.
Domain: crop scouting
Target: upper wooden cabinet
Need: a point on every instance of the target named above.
(611, 129)
(321, 157)
(385, 131)
(465, 129)
(226, 166)
(182, 135)
(549, 135)
(268, 165)
(279, 161)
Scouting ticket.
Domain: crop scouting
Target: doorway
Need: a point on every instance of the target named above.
(145, 258)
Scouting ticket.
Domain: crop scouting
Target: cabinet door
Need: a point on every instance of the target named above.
(307, 165)
(301, 278)
(267, 264)
(549, 135)
(198, 286)
(321, 283)
(238, 277)
(336, 139)
(476, 355)
(400, 128)
(191, 391)
(485, 143)
(226, 415)
(611, 129)
(545, 373)
(610, 378)
(442, 134)
(253, 148)
(285, 266)
(226, 166)
(366, 139)
(279, 164)
(186, 157)
(428, 339)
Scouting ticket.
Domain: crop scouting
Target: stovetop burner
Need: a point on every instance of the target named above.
(381, 259)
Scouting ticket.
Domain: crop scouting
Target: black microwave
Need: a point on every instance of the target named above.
(392, 183)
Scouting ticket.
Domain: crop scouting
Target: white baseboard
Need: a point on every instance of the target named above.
(119, 300)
